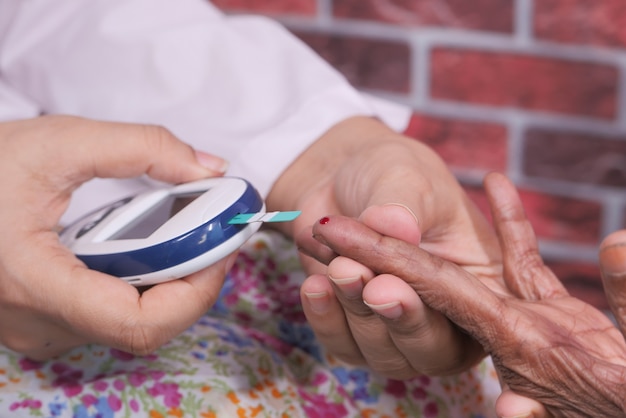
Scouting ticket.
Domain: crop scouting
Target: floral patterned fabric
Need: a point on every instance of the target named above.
(252, 355)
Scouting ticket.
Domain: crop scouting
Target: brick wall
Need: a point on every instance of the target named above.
(532, 88)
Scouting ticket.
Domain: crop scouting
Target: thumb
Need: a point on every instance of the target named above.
(393, 220)
(121, 150)
(613, 270)
(510, 404)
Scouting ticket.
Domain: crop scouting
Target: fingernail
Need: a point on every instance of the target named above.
(613, 260)
(319, 302)
(408, 209)
(391, 310)
(212, 162)
(351, 287)
(319, 238)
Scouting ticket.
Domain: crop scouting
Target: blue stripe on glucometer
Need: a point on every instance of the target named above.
(180, 249)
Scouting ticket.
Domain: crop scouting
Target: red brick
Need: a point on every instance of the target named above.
(274, 7)
(595, 22)
(552, 217)
(463, 144)
(366, 63)
(486, 15)
(525, 81)
(562, 218)
(575, 157)
(479, 197)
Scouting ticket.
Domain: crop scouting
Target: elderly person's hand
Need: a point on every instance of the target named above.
(356, 169)
(49, 301)
(545, 344)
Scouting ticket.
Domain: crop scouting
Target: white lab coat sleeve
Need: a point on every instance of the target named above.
(241, 87)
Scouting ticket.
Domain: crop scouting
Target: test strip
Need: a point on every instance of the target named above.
(246, 218)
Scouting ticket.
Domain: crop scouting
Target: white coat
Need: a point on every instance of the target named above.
(241, 87)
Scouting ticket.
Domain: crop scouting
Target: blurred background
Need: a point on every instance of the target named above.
(531, 88)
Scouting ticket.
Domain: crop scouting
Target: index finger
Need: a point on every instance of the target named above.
(88, 148)
(440, 284)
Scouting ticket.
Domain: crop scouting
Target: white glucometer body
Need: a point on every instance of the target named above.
(168, 233)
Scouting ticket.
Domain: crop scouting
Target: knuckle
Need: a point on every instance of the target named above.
(141, 341)
(156, 136)
(353, 358)
(530, 260)
(396, 367)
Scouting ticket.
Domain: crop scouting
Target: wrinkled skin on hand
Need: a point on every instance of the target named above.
(359, 167)
(545, 344)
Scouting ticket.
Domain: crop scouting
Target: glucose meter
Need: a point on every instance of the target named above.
(168, 233)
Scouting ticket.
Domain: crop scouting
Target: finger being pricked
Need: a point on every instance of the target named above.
(552, 348)
(443, 286)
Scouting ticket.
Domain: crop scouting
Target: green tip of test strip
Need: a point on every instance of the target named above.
(241, 218)
(285, 216)
(244, 218)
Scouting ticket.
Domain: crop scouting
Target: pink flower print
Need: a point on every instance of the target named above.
(100, 385)
(231, 299)
(151, 357)
(60, 368)
(268, 340)
(72, 389)
(319, 379)
(156, 374)
(243, 317)
(317, 406)
(270, 264)
(245, 274)
(396, 388)
(89, 400)
(134, 405)
(26, 403)
(431, 410)
(68, 379)
(424, 380)
(27, 364)
(114, 402)
(119, 384)
(343, 392)
(121, 355)
(137, 379)
(171, 395)
(419, 393)
(262, 306)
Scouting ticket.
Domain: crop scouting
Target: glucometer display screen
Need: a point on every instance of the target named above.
(151, 220)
